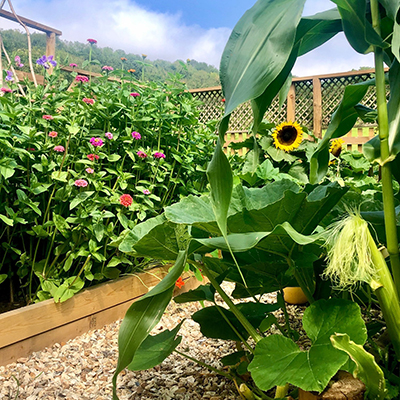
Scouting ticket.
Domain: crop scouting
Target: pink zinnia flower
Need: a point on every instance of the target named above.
(53, 134)
(134, 94)
(91, 157)
(92, 41)
(107, 68)
(81, 78)
(136, 135)
(141, 154)
(73, 65)
(157, 154)
(108, 135)
(146, 191)
(60, 149)
(47, 117)
(89, 170)
(88, 101)
(126, 200)
(6, 90)
(81, 183)
(96, 141)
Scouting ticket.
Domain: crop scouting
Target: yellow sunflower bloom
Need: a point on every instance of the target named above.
(288, 136)
(336, 147)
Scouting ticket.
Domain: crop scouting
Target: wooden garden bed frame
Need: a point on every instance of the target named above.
(40, 325)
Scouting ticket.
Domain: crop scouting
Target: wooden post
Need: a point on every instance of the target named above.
(291, 104)
(50, 47)
(317, 107)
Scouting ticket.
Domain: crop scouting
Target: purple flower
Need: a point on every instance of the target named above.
(108, 135)
(46, 62)
(17, 60)
(157, 154)
(96, 141)
(141, 154)
(9, 77)
(136, 135)
(146, 191)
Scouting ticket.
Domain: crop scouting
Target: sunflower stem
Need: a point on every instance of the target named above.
(387, 185)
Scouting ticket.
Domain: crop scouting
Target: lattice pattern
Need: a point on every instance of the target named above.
(332, 89)
(304, 103)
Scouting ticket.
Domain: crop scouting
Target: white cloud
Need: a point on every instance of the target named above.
(121, 24)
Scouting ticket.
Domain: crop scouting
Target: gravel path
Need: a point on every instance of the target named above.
(82, 368)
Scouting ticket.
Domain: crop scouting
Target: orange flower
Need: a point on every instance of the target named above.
(131, 70)
(179, 283)
(123, 59)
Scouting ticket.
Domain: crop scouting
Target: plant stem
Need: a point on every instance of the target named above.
(387, 296)
(242, 319)
(387, 186)
(204, 365)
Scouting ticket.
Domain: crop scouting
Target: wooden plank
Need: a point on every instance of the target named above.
(62, 334)
(50, 48)
(29, 22)
(291, 104)
(28, 321)
(317, 107)
(22, 75)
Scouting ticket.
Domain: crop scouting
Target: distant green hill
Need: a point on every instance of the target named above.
(195, 74)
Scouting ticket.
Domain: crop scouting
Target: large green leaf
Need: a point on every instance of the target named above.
(156, 238)
(155, 349)
(214, 325)
(392, 8)
(143, 315)
(367, 369)
(278, 360)
(219, 174)
(343, 119)
(359, 32)
(315, 30)
(258, 49)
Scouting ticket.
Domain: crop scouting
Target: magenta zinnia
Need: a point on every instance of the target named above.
(6, 90)
(92, 41)
(81, 78)
(126, 200)
(81, 183)
(136, 135)
(146, 191)
(59, 149)
(141, 154)
(73, 65)
(107, 68)
(157, 154)
(108, 135)
(96, 141)
(134, 94)
(47, 117)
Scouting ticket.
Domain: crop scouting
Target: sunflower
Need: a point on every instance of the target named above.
(287, 136)
(336, 147)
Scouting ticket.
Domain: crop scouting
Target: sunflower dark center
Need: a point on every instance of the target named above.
(287, 135)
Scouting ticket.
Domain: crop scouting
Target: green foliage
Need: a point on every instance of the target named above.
(58, 236)
(279, 360)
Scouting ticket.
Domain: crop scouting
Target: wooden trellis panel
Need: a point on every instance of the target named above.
(311, 102)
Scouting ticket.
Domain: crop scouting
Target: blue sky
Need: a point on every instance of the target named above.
(173, 29)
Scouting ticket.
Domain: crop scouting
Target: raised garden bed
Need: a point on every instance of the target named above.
(34, 327)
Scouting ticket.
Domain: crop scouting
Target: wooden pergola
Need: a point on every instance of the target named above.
(51, 33)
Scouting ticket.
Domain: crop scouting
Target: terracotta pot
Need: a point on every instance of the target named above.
(294, 295)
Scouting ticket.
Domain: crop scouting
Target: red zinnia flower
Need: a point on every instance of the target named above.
(91, 157)
(179, 283)
(126, 200)
(92, 41)
(88, 101)
(47, 117)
